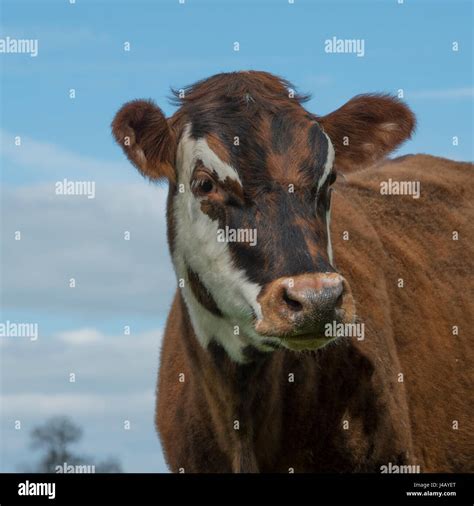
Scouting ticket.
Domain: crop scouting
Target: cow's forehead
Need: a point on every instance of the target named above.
(284, 147)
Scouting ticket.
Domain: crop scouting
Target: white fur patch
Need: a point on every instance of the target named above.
(328, 229)
(200, 150)
(196, 246)
(329, 163)
(327, 170)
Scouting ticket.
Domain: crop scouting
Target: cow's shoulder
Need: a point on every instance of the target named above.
(426, 168)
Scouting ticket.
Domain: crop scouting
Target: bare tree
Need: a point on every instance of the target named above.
(55, 438)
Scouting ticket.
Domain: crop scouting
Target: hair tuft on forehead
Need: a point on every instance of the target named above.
(248, 87)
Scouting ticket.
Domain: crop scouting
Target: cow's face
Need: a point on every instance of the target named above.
(251, 175)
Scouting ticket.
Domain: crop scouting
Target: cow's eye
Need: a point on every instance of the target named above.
(203, 185)
(332, 177)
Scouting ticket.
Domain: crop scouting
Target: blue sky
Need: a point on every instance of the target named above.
(81, 46)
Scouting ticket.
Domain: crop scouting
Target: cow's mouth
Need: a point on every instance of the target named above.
(306, 342)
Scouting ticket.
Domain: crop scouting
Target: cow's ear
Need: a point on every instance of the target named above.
(367, 128)
(142, 130)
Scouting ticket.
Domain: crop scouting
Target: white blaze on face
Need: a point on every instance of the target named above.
(196, 246)
(328, 228)
(326, 171)
(328, 164)
(192, 150)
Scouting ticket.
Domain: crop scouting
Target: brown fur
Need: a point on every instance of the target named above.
(352, 405)
(367, 128)
(142, 130)
(408, 330)
(218, 147)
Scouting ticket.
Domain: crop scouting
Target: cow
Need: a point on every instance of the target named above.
(295, 343)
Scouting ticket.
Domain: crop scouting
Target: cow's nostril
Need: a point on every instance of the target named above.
(339, 301)
(293, 304)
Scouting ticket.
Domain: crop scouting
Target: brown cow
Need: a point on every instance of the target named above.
(382, 372)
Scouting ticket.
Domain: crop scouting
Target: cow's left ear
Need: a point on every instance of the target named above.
(367, 128)
(143, 132)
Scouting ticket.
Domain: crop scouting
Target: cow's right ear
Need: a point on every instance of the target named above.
(366, 129)
(142, 130)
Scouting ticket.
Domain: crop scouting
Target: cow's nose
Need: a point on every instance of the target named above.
(301, 304)
(310, 295)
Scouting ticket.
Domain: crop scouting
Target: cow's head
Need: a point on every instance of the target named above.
(250, 174)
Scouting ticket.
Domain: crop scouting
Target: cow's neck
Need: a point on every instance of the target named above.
(238, 397)
(252, 407)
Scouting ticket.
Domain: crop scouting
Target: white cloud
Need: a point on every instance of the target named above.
(115, 378)
(64, 237)
(83, 336)
(103, 363)
(118, 282)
